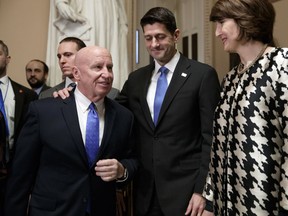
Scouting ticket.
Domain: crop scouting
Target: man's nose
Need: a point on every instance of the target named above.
(106, 73)
(154, 42)
(61, 59)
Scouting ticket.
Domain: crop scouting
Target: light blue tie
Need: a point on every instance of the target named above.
(92, 135)
(2, 109)
(160, 92)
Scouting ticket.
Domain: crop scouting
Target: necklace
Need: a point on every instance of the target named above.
(241, 69)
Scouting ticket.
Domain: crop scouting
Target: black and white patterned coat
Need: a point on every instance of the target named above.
(249, 159)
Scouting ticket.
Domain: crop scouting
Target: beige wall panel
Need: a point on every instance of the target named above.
(23, 27)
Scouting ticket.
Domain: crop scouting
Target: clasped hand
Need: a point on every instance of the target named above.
(109, 169)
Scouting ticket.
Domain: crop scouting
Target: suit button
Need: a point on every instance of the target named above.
(84, 200)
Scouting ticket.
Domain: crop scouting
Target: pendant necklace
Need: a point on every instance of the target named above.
(241, 69)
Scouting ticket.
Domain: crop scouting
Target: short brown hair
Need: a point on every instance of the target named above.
(255, 18)
(45, 66)
(80, 44)
(160, 15)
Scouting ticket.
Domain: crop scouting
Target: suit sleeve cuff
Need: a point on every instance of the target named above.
(209, 206)
(124, 177)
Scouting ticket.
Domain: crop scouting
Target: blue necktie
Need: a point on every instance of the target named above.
(160, 92)
(92, 135)
(2, 109)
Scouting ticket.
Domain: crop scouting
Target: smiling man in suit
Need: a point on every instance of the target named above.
(174, 136)
(53, 160)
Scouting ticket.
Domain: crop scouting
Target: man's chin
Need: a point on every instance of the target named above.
(67, 74)
(104, 91)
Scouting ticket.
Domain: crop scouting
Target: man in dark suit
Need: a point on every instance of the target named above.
(36, 75)
(51, 162)
(16, 100)
(67, 49)
(174, 150)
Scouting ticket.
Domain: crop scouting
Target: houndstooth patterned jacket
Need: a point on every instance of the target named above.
(249, 158)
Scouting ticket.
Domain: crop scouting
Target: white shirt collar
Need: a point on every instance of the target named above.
(171, 65)
(68, 81)
(5, 80)
(84, 102)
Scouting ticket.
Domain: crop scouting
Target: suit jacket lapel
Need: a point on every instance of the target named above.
(19, 103)
(110, 114)
(147, 74)
(180, 75)
(70, 115)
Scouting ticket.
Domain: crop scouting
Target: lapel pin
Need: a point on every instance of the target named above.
(184, 74)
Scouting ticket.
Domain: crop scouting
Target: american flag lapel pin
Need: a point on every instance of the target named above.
(184, 74)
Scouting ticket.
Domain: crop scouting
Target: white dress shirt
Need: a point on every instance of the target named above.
(68, 81)
(171, 65)
(9, 104)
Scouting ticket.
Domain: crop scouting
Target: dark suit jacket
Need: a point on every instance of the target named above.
(49, 92)
(3, 167)
(174, 155)
(51, 161)
(23, 97)
(44, 88)
(3, 170)
(113, 93)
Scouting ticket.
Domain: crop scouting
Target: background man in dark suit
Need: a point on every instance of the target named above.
(3, 168)
(174, 151)
(51, 161)
(36, 75)
(16, 100)
(67, 49)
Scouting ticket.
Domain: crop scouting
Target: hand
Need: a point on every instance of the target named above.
(63, 93)
(120, 203)
(109, 169)
(196, 205)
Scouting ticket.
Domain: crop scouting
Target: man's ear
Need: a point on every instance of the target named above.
(8, 58)
(76, 73)
(176, 35)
